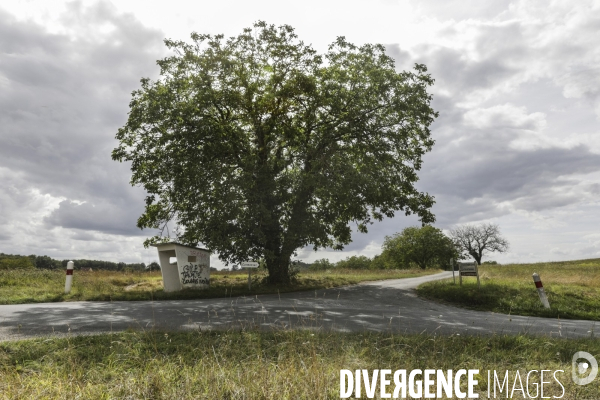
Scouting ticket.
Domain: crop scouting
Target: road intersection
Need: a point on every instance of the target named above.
(382, 306)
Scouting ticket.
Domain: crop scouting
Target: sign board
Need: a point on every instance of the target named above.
(468, 269)
(249, 264)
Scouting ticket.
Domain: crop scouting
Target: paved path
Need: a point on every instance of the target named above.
(389, 305)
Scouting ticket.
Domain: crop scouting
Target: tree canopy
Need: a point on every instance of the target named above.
(256, 146)
(476, 240)
(424, 246)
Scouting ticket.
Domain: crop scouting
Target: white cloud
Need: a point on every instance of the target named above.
(505, 116)
(524, 131)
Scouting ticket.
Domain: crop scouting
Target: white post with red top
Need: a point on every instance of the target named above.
(69, 280)
(540, 289)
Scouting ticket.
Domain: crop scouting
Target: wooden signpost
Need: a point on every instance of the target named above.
(249, 265)
(468, 269)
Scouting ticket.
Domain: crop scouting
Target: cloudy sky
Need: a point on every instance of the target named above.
(517, 88)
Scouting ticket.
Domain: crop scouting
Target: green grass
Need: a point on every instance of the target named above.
(34, 286)
(263, 365)
(572, 287)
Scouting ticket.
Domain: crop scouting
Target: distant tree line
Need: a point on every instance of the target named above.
(427, 247)
(413, 247)
(352, 262)
(12, 261)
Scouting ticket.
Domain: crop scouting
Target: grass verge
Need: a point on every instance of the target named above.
(572, 287)
(35, 286)
(267, 365)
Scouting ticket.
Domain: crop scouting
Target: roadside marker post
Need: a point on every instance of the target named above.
(69, 279)
(540, 289)
(452, 265)
(249, 265)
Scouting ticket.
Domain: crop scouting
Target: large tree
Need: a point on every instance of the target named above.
(476, 240)
(424, 246)
(256, 145)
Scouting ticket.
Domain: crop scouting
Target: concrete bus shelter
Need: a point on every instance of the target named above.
(191, 268)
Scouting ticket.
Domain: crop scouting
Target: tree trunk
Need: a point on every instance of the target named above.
(292, 239)
(279, 272)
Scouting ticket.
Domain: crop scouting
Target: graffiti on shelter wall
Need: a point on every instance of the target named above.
(194, 274)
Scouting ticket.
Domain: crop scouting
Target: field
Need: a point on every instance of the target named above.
(572, 287)
(34, 286)
(266, 365)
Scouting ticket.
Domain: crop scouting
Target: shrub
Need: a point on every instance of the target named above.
(16, 263)
(354, 262)
(154, 266)
(380, 261)
(45, 262)
(321, 265)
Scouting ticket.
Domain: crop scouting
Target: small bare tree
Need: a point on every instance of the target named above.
(475, 240)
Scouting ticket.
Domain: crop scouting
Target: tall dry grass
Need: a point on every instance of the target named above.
(584, 273)
(572, 287)
(264, 365)
(32, 286)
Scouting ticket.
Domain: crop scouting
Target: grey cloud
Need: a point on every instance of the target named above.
(507, 41)
(535, 202)
(473, 171)
(529, 180)
(377, 232)
(449, 116)
(559, 252)
(451, 210)
(119, 219)
(504, 117)
(590, 251)
(67, 96)
(461, 9)
(85, 236)
(402, 58)
(456, 72)
(62, 99)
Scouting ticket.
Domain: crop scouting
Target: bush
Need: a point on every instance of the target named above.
(154, 266)
(380, 261)
(354, 262)
(16, 263)
(321, 265)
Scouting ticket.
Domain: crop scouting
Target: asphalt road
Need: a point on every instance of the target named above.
(384, 306)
